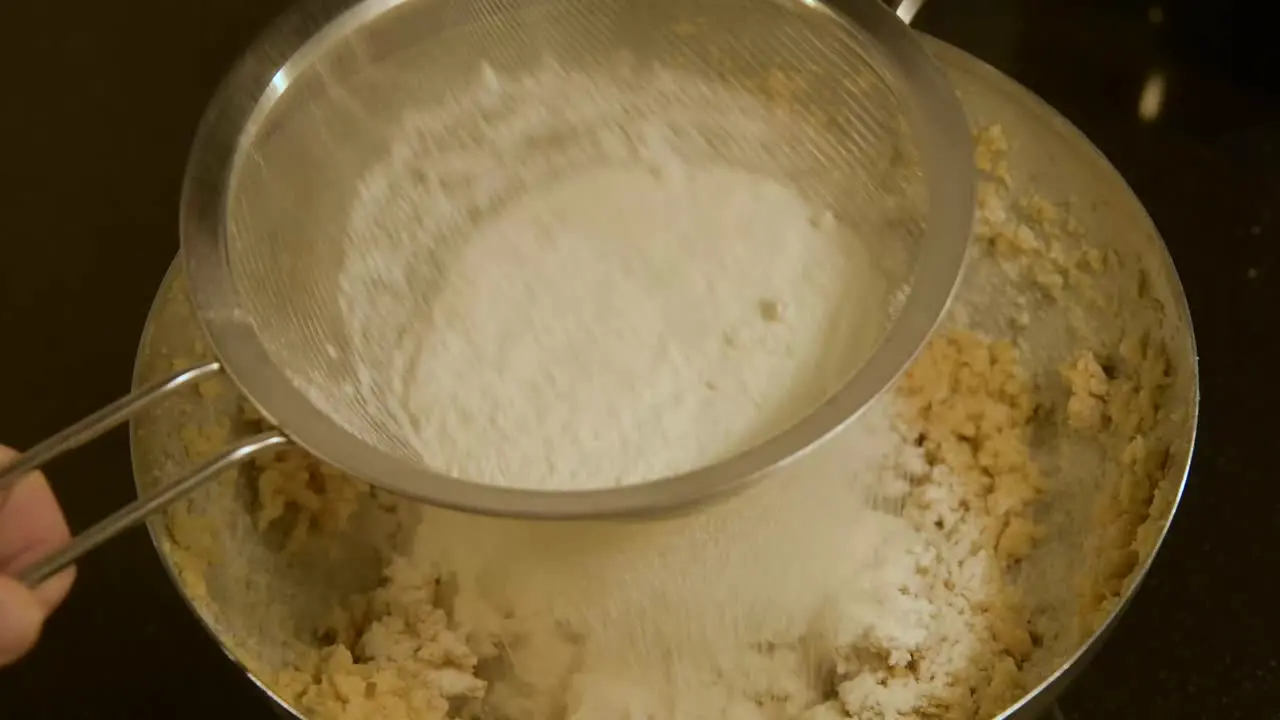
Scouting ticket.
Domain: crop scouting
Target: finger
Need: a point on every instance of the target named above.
(31, 524)
(31, 527)
(53, 591)
(21, 617)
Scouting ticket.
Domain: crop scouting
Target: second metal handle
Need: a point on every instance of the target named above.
(150, 502)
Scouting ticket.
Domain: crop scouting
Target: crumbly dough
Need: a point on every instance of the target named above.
(1032, 239)
(391, 655)
(1087, 408)
(969, 407)
(966, 403)
(972, 404)
(1125, 405)
(1113, 392)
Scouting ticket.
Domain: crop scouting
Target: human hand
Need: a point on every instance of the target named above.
(31, 526)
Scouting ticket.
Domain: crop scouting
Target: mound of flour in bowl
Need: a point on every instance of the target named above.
(631, 307)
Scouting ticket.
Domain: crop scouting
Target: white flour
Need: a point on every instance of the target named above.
(739, 612)
(626, 307)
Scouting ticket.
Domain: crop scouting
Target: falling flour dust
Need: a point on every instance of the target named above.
(627, 306)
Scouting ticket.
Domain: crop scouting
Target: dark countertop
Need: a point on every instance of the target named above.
(100, 101)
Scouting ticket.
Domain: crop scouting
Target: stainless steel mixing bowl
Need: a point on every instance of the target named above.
(1045, 151)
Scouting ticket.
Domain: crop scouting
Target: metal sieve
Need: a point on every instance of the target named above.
(276, 160)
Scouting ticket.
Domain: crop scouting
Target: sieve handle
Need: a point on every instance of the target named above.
(94, 426)
(153, 501)
(906, 9)
(98, 423)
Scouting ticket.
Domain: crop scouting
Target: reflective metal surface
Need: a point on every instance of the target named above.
(1047, 148)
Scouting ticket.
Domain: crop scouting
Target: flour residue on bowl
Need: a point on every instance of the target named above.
(597, 296)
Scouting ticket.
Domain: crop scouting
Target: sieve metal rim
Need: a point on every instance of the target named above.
(264, 74)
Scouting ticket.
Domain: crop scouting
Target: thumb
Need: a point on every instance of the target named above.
(21, 617)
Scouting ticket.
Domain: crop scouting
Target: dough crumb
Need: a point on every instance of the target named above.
(1086, 409)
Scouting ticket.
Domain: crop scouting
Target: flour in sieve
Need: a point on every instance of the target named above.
(601, 289)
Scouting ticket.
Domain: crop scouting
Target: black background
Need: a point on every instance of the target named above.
(99, 100)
